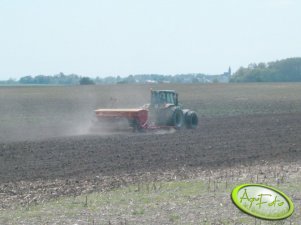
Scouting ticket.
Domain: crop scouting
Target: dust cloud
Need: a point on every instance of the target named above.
(33, 113)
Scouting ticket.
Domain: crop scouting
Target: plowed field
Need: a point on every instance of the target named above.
(47, 149)
(221, 142)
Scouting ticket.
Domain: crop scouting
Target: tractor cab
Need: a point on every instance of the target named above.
(163, 97)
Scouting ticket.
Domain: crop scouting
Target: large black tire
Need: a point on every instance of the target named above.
(191, 120)
(177, 118)
(186, 117)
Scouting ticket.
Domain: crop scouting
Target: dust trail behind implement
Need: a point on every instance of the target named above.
(35, 113)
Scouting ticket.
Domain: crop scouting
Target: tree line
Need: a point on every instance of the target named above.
(74, 79)
(286, 70)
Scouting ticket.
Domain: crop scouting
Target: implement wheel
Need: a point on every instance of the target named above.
(134, 123)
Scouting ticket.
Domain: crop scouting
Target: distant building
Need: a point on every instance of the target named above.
(221, 78)
(151, 82)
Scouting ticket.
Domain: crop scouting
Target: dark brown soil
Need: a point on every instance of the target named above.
(217, 143)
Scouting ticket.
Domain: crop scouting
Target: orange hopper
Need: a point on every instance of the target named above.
(138, 117)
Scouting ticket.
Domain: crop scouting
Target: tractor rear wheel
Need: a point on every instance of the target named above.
(191, 120)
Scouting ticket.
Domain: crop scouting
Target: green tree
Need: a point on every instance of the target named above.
(86, 81)
(287, 70)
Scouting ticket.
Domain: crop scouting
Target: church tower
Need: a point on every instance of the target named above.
(229, 71)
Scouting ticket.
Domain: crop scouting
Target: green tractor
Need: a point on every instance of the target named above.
(165, 110)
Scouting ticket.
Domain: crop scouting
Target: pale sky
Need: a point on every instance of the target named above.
(122, 37)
